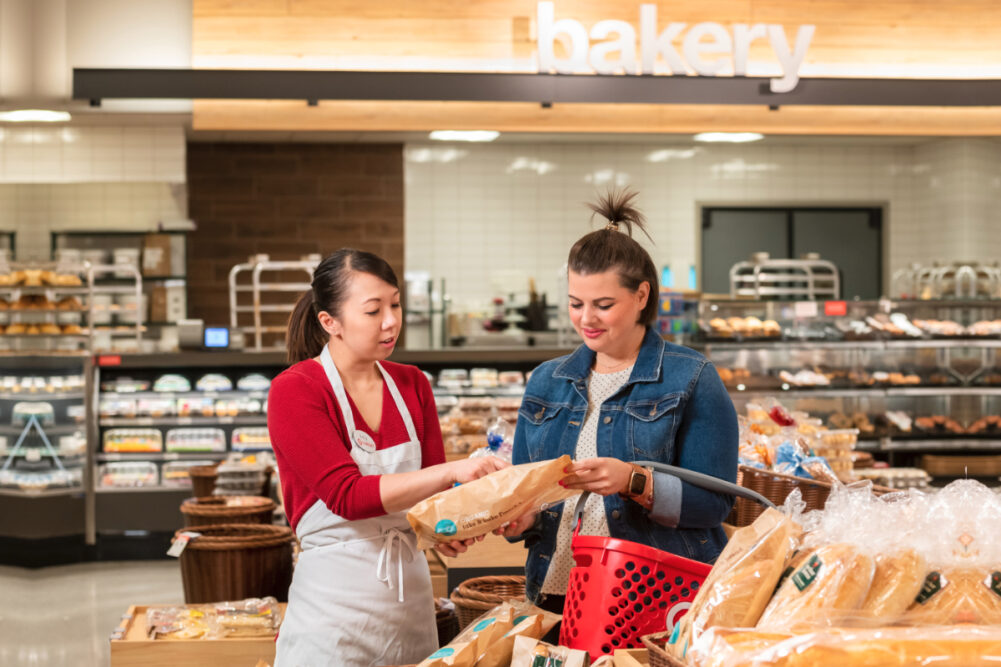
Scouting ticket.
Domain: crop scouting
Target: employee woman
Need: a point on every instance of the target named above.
(624, 395)
(357, 443)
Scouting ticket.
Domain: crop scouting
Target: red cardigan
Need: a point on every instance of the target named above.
(311, 442)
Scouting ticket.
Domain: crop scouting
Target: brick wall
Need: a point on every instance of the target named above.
(287, 200)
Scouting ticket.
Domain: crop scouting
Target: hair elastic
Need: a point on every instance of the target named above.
(612, 225)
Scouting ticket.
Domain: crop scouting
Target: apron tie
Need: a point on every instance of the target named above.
(383, 570)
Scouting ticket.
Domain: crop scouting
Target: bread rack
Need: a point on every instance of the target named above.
(764, 278)
(957, 280)
(254, 268)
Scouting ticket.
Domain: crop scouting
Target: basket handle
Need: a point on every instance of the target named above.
(701, 480)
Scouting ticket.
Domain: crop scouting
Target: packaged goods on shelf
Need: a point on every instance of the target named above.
(453, 378)
(133, 440)
(511, 378)
(40, 410)
(253, 382)
(772, 438)
(155, 407)
(40, 481)
(214, 382)
(896, 478)
(117, 407)
(196, 440)
(125, 385)
(253, 617)
(123, 474)
(73, 445)
(77, 413)
(463, 444)
(243, 476)
(200, 406)
(908, 579)
(176, 473)
(250, 438)
(172, 383)
(485, 378)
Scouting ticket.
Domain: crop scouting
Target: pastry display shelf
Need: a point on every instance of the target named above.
(513, 391)
(233, 393)
(158, 488)
(17, 290)
(943, 391)
(160, 456)
(35, 452)
(944, 444)
(886, 344)
(249, 420)
(68, 429)
(42, 493)
(41, 396)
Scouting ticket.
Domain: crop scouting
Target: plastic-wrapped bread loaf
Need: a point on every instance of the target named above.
(833, 581)
(895, 585)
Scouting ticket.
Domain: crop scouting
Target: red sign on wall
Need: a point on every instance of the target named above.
(109, 360)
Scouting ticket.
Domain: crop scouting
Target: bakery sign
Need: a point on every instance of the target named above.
(705, 47)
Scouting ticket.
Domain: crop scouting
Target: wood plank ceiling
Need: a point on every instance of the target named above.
(891, 38)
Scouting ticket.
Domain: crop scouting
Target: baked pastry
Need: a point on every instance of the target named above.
(67, 280)
(50, 329)
(33, 330)
(7, 279)
(69, 303)
(4, 305)
(72, 330)
(960, 595)
(16, 329)
(32, 277)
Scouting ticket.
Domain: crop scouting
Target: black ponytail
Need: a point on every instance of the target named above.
(305, 337)
(615, 248)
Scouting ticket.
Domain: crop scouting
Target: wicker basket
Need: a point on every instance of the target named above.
(775, 486)
(448, 625)
(237, 561)
(961, 466)
(216, 510)
(659, 657)
(475, 596)
(203, 480)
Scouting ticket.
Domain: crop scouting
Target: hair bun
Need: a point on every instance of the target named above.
(617, 207)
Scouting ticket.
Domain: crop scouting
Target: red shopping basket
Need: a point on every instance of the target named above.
(620, 590)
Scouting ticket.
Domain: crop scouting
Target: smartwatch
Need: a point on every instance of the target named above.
(637, 482)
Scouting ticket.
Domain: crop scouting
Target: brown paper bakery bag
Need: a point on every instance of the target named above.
(476, 508)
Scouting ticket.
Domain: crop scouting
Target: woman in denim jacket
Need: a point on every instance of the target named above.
(624, 395)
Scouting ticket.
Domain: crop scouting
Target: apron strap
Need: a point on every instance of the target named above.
(401, 406)
(335, 383)
(383, 572)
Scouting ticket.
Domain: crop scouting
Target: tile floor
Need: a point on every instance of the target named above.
(62, 616)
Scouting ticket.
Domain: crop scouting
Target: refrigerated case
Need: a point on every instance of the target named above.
(43, 452)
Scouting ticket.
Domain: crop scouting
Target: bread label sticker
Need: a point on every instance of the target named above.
(934, 582)
(446, 527)
(442, 653)
(993, 582)
(808, 573)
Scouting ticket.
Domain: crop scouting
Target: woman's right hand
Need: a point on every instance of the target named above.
(518, 526)
(466, 470)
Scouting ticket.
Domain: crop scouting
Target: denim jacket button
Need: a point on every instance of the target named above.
(653, 411)
(616, 514)
(607, 420)
(538, 415)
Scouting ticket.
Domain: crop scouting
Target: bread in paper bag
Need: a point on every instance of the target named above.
(476, 508)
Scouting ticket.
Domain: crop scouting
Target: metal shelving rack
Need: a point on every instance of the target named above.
(97, 271)
(254, 268)
(785, 279)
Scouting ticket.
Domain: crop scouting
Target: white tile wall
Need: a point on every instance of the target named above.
(95, 178)
(75, 154)
(476, 212)
(33, 211)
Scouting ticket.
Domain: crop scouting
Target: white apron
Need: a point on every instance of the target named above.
(361, 593)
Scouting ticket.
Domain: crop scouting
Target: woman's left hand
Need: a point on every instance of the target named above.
(603, 476)
(456, 547)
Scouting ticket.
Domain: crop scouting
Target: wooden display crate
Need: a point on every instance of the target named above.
(631, 657)
(130, 647)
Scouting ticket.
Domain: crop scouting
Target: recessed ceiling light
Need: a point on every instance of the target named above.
(464, 135)
(34, 116)
(729, 137)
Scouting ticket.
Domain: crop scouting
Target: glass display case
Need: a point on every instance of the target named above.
(915, 377)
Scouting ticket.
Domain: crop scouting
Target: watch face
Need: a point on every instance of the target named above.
(637, 482)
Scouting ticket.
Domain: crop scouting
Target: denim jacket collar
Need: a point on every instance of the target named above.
(577, 366)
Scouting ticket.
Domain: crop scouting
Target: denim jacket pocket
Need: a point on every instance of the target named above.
(538, 417)
(652, 426)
